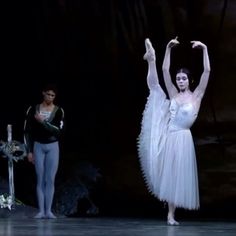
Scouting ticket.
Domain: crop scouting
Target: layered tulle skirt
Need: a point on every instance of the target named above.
(167, 158)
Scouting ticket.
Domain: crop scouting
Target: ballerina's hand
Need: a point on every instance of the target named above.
(150, 52)
(173, 42)
(198, 44)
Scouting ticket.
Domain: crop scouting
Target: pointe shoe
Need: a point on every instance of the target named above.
(171, 221)
(150, 52)
(149, 55)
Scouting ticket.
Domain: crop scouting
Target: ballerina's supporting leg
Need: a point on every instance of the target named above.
(171, 215)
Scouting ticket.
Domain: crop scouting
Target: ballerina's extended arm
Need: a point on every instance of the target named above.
(200, 89)
(171, 89)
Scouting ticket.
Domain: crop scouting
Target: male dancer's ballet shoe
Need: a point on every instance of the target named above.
(171, 221)
(50, 215)
(40, 215)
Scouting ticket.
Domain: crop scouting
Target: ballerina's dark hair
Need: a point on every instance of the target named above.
(185, 71)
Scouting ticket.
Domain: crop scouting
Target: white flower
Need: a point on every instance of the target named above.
(6, 202)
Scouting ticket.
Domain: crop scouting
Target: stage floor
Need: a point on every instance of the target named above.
(113, 227)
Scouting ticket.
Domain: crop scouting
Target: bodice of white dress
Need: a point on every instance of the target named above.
(182, 116)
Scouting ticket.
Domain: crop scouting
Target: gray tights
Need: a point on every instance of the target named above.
(46, 157)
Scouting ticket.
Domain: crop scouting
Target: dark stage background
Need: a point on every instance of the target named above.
(93, 50)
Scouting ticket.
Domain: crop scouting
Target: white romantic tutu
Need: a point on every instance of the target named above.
(166, 151)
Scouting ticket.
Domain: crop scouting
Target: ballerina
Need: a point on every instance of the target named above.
(165, 145)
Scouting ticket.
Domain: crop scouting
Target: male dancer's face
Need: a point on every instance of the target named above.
(49, 96)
